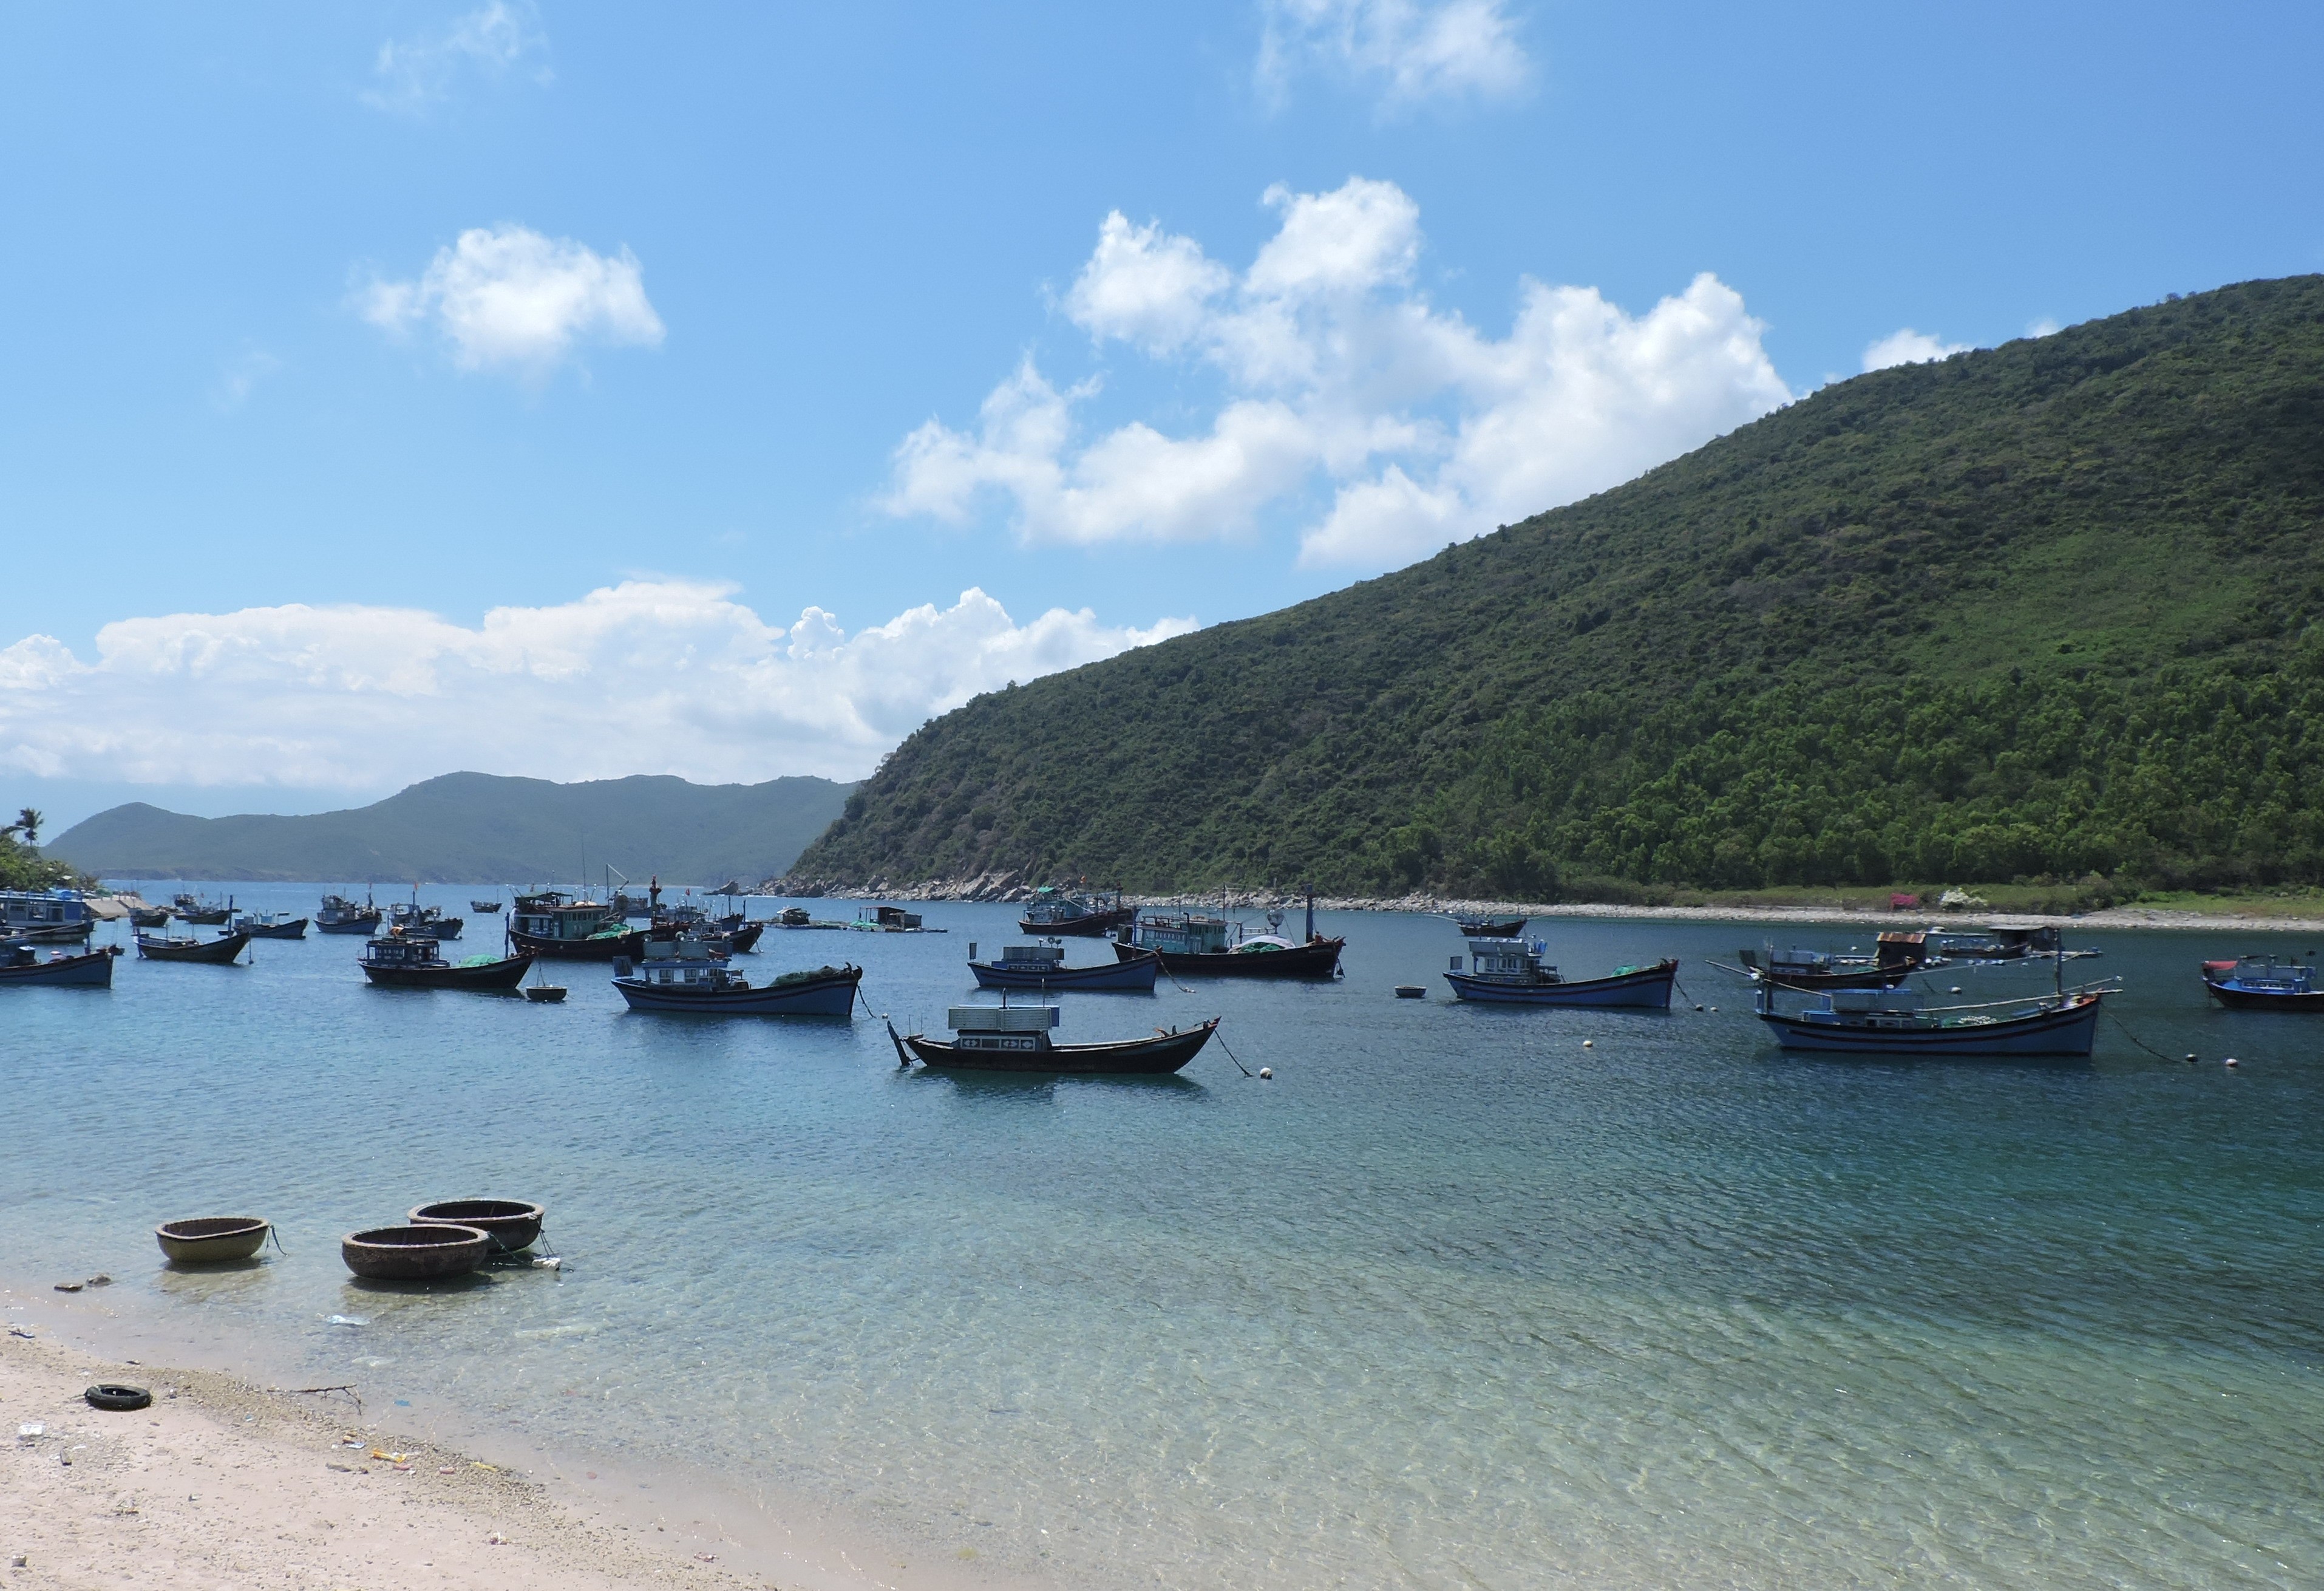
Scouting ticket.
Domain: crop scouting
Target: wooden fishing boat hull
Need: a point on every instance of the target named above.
(219, 952)
(1135, 1058)
(740, 941)
(211, 1240)
(1133, 972)
(2069, 1029)
(2237, 999)
(1647, 989)
(92, 969)
(366, 925)
(414, 1254)
(71, 933)
(1319, 959)
(1088, 925)
(214, 918)
(834, 995)
(605, 948)
(491, 977)
(1871, 977)
(278, 930)
(1490, 928)
(511, 1223)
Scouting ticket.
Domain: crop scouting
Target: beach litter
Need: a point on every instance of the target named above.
(497, 1539)
(19, 1331)
(68, 1286)
(345, 1320)
(31, 1429)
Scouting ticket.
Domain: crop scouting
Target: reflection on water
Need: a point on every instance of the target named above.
(1451, 1300)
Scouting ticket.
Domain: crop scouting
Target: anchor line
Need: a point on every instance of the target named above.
(2135, 1039)
(1232, 1056)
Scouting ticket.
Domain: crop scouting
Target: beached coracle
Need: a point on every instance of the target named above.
(211, 1240)
(511, 1223)
(414, 1254)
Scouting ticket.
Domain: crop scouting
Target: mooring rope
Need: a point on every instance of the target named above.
(2135, 1039)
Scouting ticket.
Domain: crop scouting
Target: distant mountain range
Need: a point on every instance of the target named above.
(478, 829)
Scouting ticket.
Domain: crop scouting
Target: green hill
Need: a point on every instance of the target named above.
(475, 827)
(2043, 610)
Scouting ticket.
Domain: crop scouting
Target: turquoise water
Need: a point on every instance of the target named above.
(1450, 1300)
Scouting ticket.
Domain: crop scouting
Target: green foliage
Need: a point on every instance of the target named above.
(24, 868)
(2041, 611)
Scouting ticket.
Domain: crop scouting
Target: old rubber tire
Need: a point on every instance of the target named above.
(114, 1395)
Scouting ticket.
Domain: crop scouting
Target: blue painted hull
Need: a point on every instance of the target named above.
(1137, 976)
(1648, 989)
(824, 996)
(93, 970)
(2069, 1032)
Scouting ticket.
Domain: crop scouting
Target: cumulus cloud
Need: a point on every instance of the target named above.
(671, 677)
(1408, 50)
(510, 298)
(1907, 346)
(409, 74)
(1339, 375)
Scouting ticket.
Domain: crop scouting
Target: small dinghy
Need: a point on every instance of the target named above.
(212, 1240)
(1490, 928)
(544, 994)
(483, 907)
(511, 1223)
(414, 1254)
(221, 951)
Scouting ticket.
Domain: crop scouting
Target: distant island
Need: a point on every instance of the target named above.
(478, 829)
(2049, 613)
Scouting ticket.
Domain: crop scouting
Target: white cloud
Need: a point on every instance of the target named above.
(2044, 327)
(513, 299)
(240, 377)
(410, 75)
(1409, 50)
(1907, 346)
(646, 677)
(1337, 372)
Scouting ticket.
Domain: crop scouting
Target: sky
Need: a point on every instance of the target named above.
(576, 390)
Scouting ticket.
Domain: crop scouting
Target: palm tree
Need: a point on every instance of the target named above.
(28, 822)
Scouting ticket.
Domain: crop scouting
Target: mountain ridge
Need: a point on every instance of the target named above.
(2041, 610)
(477, 828)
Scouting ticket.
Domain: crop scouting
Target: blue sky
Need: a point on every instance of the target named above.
(340, 329)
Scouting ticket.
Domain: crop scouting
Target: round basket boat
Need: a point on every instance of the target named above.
(211, 1240)
(511, 1223)
(414, 1254)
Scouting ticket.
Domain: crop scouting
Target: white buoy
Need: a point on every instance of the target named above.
(1714, 1008)
(1266, 1072)
(1954, 990)
(2231, 1060)
(2190, 1057)
(1698, 1008)
(1589, 1043)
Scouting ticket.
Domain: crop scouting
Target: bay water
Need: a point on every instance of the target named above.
(1450, 1300)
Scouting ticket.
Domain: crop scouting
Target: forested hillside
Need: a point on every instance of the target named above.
(2043, 610)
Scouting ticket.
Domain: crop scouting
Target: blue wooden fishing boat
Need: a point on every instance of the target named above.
(1043, 966)
(222, 951)
(199, 911)
(1512, 972)
(412, 918)
(2262, 983)
(339, 915)
(686, 975)
(271, 925)
(44, 917)
(554, 924)
(21, 964)
(1894, 1021)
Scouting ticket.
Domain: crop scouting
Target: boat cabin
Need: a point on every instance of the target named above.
(888, 919)
(681, 964)
(555, 915)
(31, 911)
(1001, 1027)
(1034, 958)
(1996, 941)
(403, 950)
(2262, 975)
(1868, 1008)
(1508, 961)
(1188, 933)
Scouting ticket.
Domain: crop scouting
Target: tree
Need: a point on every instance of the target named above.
(27, 824)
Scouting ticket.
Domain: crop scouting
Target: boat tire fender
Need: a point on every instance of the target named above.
(116, 1396)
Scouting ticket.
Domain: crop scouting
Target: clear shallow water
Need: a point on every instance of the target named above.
(1451, 1300)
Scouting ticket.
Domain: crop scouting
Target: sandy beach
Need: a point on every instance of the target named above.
(220, 1483)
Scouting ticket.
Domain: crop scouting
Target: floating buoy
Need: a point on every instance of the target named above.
(1954, 990)
(2190, 1057)
(1266, 1072)
(1714, 1008)
(2231, 1060)
(1589, 1043)
(1698, 1008)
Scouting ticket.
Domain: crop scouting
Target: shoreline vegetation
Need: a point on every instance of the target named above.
(2287, 909)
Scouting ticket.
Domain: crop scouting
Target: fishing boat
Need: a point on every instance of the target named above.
(411, 918)
(218, 952)
(200, 912)
(1490, 928)
(88, 969)
(2000, 941)
(1895, 1022)
(414, 961)
(686, 975)
(1512, 972)
(1053, 912)
(1822, 969)
(271, 925)
(212, 1240)
(556, 925)
(339, 915)
(45, 917)
(143, 916)
(483, 907)
(414, 1254)
(1043, 966)
(1194, 942)
(2262, 983)
(1016, 1038)
(512, 1223)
